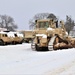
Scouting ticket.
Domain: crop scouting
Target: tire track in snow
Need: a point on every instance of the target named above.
(62, 69)
(33, 61)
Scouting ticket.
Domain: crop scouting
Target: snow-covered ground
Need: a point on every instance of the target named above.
(20, 59)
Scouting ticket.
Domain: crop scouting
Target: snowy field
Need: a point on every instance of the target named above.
(20, 59)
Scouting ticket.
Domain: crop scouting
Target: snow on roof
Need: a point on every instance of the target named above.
(10, 34)
(3, 32)
(19, 35)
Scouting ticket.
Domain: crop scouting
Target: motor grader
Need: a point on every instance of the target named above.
(51, 35)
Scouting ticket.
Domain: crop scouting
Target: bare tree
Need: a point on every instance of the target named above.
(41, 16)
(69, 24)
(7, 22)
(31, 24)
(1, 22)
(37, 17)
(52, 16)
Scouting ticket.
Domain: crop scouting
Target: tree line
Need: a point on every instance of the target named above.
(8, 23)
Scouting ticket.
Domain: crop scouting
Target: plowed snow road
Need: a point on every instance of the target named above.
(20, 59)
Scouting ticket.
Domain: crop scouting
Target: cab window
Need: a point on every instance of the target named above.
(43, 24)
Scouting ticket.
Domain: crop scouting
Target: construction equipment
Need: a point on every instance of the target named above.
(8, 37)
(28, 36)
(48, 34)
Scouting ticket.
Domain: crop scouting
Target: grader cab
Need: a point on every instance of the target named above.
(48, 34)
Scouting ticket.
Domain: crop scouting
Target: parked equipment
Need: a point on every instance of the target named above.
(8, 37)
(28, 35)
(48, 34)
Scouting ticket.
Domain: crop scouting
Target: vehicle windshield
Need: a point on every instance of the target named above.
(43, 24)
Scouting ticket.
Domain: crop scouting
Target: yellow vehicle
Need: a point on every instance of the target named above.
(28, 36)
(17, 38)
(4, 39)
(48, 34)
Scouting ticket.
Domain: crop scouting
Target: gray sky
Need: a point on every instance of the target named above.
(23, 10)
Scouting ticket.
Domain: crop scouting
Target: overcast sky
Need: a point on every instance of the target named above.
(23, 10)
